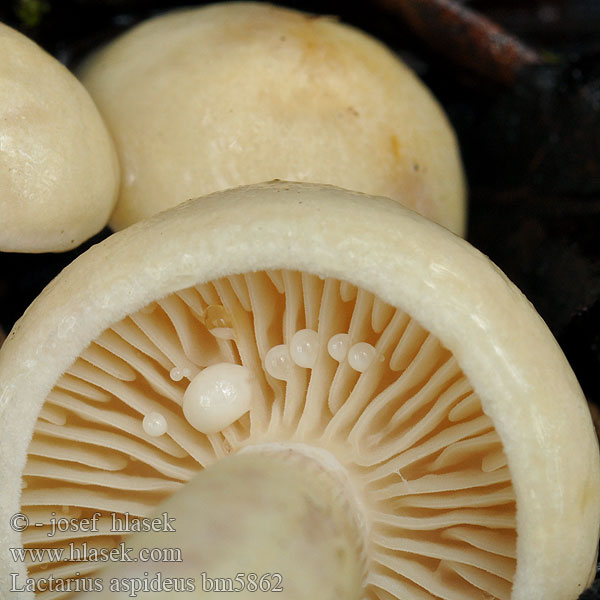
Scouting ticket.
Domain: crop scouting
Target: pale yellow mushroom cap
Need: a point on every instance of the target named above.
(59, 172)
(238, 93)
(466, 441)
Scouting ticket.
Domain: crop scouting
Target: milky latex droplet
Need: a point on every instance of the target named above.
(176, 374)
(154, 424)
(278, 362)
(217, 397)
(338, 346)
(361, 355)
(219, 322)
(304, 348)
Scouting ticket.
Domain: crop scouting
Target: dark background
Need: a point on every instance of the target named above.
(527, 118)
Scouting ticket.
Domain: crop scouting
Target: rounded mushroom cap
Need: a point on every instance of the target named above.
(470, 442)
(238, 93)
(59, 172)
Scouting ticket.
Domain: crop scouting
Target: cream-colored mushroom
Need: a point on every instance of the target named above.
(59, 171)
(460, 453)
(237, 93)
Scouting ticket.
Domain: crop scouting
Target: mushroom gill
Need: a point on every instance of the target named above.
(407, 427)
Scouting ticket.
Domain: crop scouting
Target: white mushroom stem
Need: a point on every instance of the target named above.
(278, 515)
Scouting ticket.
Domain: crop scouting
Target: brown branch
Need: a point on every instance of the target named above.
(466, 37)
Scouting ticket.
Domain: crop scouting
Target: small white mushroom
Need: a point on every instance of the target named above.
(59, 172)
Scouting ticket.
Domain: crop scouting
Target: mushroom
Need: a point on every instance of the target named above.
(59, 171)
(231, 94)
(457, 457)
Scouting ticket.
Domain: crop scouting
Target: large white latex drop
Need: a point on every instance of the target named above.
(217, 397)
